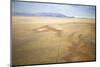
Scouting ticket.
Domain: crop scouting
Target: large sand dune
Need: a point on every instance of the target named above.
(76, 43)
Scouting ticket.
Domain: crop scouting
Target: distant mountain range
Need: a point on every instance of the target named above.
(41, 14)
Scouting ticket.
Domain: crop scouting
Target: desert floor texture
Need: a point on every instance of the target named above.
(40, 40)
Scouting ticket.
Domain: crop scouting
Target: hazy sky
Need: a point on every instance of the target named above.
(68, 10)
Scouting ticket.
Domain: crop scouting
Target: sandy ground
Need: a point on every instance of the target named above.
(76, 43)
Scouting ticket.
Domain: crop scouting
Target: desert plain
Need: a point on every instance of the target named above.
(30, 45)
